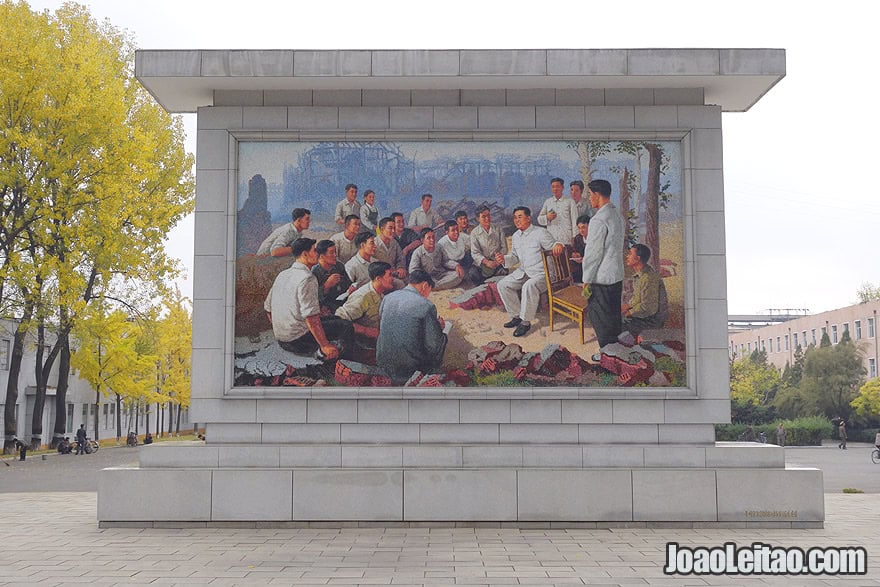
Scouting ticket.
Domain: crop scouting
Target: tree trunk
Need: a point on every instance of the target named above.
(97, 410)
(118, 418)
(40, 397)
(652, 202)
(61, 394)
(147, 417)
(178, 419)
(9, 420)
(637, 171)
(583, 150)
(623, 187)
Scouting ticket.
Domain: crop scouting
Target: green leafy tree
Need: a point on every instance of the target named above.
(826, 340)
(868, 292)
(832, 378)
(752, 380)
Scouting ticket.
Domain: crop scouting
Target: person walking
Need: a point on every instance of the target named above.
(780, 435)
(842, 433)
(81, 440)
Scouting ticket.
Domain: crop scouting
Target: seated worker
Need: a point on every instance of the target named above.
(293, 309)
(332, 278)
(464, 227)
(529, 278)
(344, 241)
(649, 307)
(64, 446)
(411, 336)
(429, 258)
(406, 238)
(358, 266)
(456, 250)
(388, 251)
(486, 240)
(278, 243)
(362, 307)
(424, 216)
(580, 244)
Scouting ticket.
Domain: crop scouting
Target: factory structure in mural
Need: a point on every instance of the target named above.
(478, 349)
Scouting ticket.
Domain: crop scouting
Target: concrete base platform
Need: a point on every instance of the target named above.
(269, 492)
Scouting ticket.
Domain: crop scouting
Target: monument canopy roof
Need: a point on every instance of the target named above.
(184, 80)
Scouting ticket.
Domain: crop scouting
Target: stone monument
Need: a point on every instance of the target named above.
(545, 428)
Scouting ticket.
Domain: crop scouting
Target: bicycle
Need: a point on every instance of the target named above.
(875, 455)
(91, 446)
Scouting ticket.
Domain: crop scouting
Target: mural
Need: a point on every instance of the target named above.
(485, 317)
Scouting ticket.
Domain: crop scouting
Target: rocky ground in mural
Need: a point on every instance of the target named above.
(480, 352)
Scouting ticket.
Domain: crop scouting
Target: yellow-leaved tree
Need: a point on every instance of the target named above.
(174, 348)
(867, 403)
(108, 357)
(93, 174)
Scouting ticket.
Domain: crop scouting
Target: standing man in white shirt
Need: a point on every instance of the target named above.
(349, 206)
(603, 264)
(424, 215)
(559, 214)
(528, 242)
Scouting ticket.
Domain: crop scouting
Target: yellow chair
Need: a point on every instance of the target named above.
(564, 297)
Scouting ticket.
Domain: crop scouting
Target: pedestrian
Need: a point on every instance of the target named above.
(842, 433)
(780, 435)
(81, 440)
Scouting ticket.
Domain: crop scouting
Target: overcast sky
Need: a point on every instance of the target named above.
(801, 199)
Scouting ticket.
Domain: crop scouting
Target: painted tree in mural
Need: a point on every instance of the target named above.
(92, 176)
(588, 152)
(652, 200)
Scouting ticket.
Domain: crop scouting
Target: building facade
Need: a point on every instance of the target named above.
(79, 404)
(780, 341)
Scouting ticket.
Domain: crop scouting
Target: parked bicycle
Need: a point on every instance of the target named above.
(875, 455)
(91, 446)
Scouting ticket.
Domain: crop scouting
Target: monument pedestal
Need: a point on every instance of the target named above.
(724, 485)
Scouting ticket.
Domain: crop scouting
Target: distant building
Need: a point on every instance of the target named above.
(80, 399)
(780, 341)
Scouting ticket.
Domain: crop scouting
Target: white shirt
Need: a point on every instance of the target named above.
(564, 226)
(358, 270)
(419, 217)
(453, 252)
(283, 236)
(526, 249)
(485, 244)
(346, 208)
(431, 262)
(603, 253)
(345, 249)
(292, 299)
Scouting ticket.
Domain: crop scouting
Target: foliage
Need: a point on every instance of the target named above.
(752, 380)
(852, 490)
(798, 432)
(500, 379)
(672, 369)
(93, 173)
(749, 413)
(868, 292)
(831, 380)
(826, 340)
(867, 403)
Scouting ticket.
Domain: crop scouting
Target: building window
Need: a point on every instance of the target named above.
(845, 328)
(834, 334)
(69, 428)
(4, 355)
(872, 368)
(778, 344)
(858, 327)
(106, 408)
(750, 347)
(786, 342)
(763, 345)
(814, 336)
(795, 340)
(805, 338)
(742, 349)
(870, 328)
(770, 340)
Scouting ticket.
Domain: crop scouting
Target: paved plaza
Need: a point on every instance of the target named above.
(50, 537)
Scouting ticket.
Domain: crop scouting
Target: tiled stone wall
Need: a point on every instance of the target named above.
(468, 416)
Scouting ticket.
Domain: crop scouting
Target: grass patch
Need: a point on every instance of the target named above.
(852, 490)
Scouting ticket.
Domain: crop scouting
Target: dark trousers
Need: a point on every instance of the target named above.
(604, 311)
(478, 273)
(335, 329)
